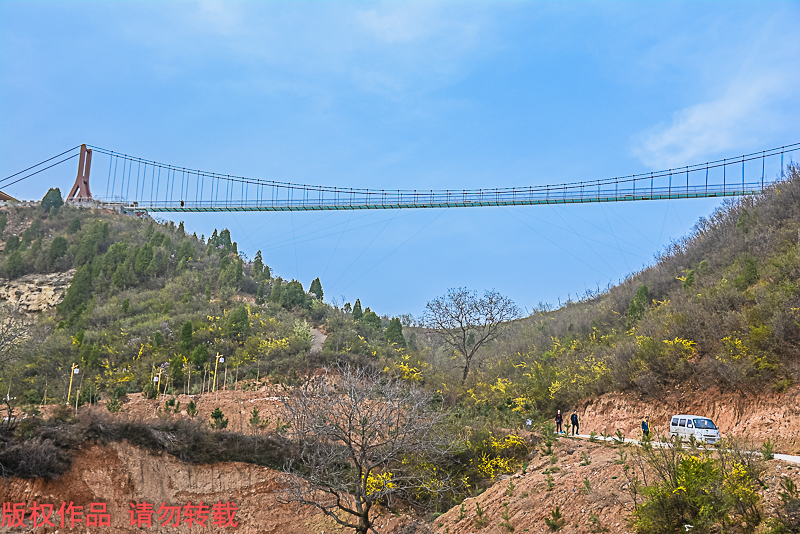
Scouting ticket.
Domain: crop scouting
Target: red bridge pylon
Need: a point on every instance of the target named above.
(80, 191)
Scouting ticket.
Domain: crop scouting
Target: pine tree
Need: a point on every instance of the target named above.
(14, 265)
(637, 306)
(187, 342)
(218, 421)
(144, 258)
(258, 266)
(181, 229)
(74, 226)
(394, 333)
(225, 240)
(260, 293)
(200, 355)
(277, 290)
(371, 318)
(357, 311)
(12, 244)
(293, 295)
(52, 199)
(238, 323)
(79, 292)
(58, 247)
(316, 289)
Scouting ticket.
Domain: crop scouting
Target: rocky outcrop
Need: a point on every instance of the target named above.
(35, 292)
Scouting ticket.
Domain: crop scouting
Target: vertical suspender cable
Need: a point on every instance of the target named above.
(152, 183)
(110, 161)
(138, 169)
(762, 171)
(114, 183)
(158, 180)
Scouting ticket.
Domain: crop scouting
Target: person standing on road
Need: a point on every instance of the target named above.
(646, 427)
(559, 421)
(574, 420)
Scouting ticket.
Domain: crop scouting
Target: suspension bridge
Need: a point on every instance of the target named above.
(134, 184)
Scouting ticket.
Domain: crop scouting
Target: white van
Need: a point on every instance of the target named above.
(702, 428)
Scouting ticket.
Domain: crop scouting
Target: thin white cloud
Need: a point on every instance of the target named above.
(752, 88)
(734, 120)
(385, 48)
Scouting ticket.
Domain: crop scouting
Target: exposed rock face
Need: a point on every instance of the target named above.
(35, 292)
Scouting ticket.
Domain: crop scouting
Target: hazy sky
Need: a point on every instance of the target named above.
(410, 95)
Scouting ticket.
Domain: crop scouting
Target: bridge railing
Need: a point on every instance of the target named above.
(432, 199)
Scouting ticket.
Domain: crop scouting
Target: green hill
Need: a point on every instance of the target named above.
(148, 300)
(720, 306)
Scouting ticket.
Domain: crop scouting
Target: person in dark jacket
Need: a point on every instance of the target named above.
(574, 420)
(559, 421)
(646, 427)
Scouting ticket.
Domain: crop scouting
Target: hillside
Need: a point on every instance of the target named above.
(720, 309)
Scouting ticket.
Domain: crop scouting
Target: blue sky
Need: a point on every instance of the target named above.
(410, 95)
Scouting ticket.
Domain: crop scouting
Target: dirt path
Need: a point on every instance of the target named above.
(319, 340)
(756, 416)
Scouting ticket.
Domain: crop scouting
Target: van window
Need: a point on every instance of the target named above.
(675, 422)
(689, 423)
(682, 422)
(705, 423)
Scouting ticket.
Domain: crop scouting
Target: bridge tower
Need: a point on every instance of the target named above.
(80, 191)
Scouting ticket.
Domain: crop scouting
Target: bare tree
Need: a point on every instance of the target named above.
(466, 322)
(353, 429)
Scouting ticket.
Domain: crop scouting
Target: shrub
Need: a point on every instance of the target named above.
(556, 521)
(698, 489)
(218, 421)
(768, 450)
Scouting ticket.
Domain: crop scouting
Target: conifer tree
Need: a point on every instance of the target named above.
(58, 247)
(371, 318)
(79, 292)
(316, 288)
(637, 306)
(260, 293)
(357, 311)
(394, 333)
(187, 342)
(52, 199)
(218, 420)
(74, 226)
(14, 265)
(277, 289)
(258, 266)
(12, 244)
